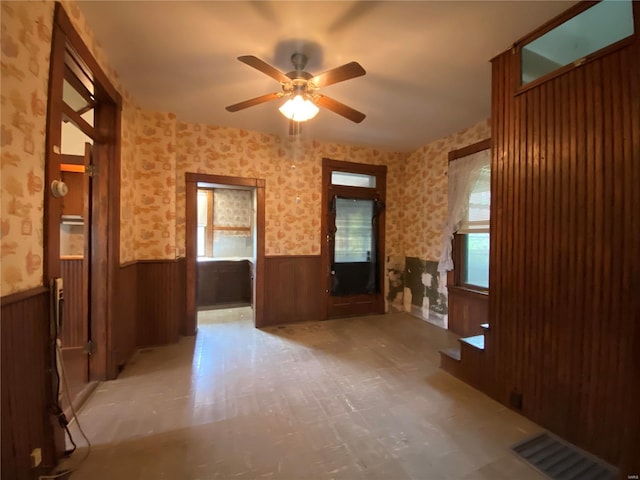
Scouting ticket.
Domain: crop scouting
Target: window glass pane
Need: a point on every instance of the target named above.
(353, 179)
(201, 239)
(73, 139)
(597, 27)
(72, 97)
(202, 208)
(232, 243)
(480, 202)
(354, 232)
(476, 261)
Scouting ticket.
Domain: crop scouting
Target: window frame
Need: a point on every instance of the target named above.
(455, 277)
(567, 15)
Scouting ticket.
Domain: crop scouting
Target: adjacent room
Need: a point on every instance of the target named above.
(320, 239)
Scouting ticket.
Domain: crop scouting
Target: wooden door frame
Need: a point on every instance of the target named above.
(191, 206)
(380, 172)
(105, 234)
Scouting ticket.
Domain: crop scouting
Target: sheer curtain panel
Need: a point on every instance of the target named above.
(469, 200)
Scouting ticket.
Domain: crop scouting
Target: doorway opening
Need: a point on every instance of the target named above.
(81, 216)
(224, 248)
(82, 202)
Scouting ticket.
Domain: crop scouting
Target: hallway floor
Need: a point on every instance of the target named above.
(358, 398)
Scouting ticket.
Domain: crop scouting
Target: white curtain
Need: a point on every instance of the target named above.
(463, 174)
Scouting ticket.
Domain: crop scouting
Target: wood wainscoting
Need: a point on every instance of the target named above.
(161, 301)
(293, 290)
(468, 310)
(124, 334)
(565, 269)
(223, 282)
(25, 396)
(149, 305)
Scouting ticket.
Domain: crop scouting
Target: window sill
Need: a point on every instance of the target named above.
(458, 288)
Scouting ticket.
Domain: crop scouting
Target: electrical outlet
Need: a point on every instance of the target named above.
(36, 457)
(515, 399)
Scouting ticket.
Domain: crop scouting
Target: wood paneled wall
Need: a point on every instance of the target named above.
(25, 396)
(223, 281)
(293, 290)
(74, 321)
(150, 301)
(181, 294)
(161, 300)
(467, 311)
(565, 261)
(124, 335)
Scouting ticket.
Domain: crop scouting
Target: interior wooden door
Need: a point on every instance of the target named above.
(353, 250)
(75, 259)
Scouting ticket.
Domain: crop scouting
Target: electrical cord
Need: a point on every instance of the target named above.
(64, 422)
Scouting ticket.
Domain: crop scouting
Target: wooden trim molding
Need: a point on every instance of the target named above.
(62, 20)
(470, 149)
(22, 296)
(567, 15)
(232, 229)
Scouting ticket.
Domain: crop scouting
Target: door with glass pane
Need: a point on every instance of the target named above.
(76, 169)
(354, 252)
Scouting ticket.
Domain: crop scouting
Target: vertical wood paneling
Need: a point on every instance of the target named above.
(631, 278)
(467, 311)
(181, 294)
(293, 289)
(74, 324)
(223, 281)
(124, 333)
(25, 399)
(565, 270)
(160, 292)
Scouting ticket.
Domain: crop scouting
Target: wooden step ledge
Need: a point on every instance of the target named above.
(453, 353)
(477, 341)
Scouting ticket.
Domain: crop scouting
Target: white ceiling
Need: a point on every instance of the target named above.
(428, 71)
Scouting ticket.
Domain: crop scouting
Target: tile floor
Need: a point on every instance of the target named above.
(358, 398)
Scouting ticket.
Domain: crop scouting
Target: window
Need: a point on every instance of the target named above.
(475, 257)
(469, 217)
(475, 230)
(591, 30)
(224, 223)
(354, 230)
(353, 179)
(204, 240)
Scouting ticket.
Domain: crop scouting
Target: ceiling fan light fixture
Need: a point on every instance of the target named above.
(299, 109)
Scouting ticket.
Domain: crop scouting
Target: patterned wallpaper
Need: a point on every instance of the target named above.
(232, 208)
(292, 169)
(425, 192)
(155, 186)
(128, 185)
(26, 38)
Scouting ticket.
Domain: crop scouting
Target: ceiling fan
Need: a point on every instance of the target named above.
(302, 89)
